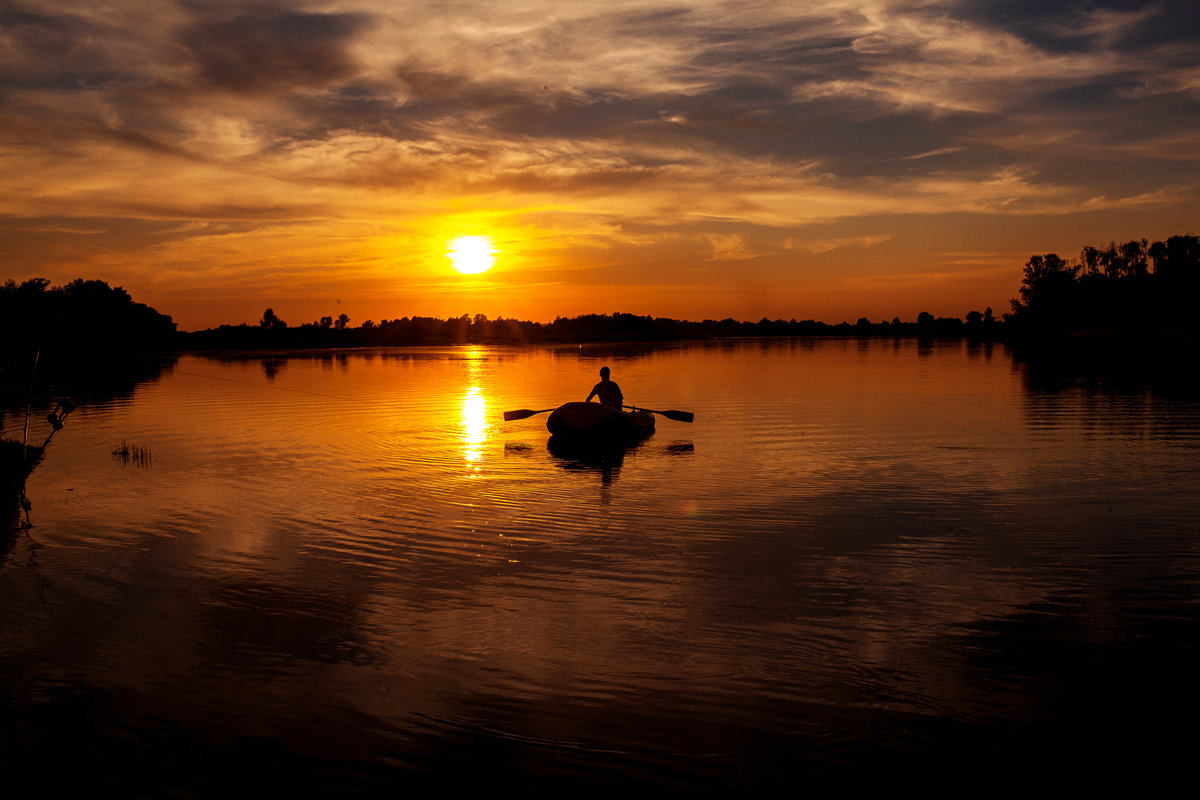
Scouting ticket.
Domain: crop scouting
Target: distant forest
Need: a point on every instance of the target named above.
(272, 332)
(1135, 289)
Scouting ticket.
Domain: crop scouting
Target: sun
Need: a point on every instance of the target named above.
(472, 255)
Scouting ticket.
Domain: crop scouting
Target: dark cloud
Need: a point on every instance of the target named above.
(357, 108)
(1075, 27)
(1053, 27)
(270, 52)
(61, 52)
(27, 237)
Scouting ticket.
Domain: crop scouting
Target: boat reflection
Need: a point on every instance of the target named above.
(603, 456)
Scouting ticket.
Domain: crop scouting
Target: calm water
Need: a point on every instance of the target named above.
(864, 561)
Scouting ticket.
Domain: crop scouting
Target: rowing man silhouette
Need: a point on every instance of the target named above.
(607, 390)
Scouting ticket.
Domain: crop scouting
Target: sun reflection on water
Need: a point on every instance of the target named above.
(474, 426)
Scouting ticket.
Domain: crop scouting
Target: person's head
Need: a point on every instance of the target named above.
(604, 373)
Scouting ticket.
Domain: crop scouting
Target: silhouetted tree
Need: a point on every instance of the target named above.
(1176, 258)
(1134, 261)
(270, 321)
(1047, 293)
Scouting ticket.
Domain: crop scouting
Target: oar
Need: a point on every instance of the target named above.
(523, 413)
(678, 416)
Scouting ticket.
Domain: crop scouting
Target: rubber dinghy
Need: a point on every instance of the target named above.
(594, 419)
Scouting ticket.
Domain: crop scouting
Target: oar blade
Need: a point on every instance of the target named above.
(523, 413)
(679, 416)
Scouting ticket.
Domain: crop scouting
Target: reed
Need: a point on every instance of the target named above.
(137, 454)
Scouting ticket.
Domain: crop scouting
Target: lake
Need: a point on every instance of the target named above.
(867, 561)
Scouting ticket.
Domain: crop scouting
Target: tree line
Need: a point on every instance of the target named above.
(273, 332)
(72, 328)
(1134, 289)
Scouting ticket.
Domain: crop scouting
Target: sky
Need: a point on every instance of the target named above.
(810, 160)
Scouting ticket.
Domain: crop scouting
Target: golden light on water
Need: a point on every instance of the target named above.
(474, 425)
(472, 255)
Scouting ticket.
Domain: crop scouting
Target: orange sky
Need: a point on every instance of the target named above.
(696, 160)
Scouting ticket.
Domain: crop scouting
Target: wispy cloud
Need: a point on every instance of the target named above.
(818, 245)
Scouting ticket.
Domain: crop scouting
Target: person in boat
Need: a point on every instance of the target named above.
(607, 391)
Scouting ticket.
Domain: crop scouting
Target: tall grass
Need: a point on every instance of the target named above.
(137, 454)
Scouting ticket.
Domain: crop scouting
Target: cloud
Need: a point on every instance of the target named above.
(259, 52)
(1110, 27)
(818, 245)
(729, 247)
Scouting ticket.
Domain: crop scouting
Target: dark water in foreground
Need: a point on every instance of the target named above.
(866, 562)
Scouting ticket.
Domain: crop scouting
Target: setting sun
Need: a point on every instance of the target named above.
(471, 255)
